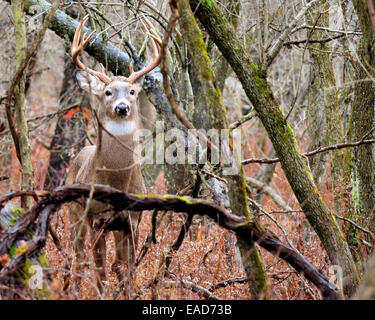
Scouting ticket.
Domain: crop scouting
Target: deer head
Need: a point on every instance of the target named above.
(118, 95)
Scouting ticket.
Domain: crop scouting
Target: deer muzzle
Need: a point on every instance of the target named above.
(122, 109)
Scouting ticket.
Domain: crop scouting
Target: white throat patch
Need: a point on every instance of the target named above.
(120, 128)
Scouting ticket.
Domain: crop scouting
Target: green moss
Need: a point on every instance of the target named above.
(142, 196)
(261, 84)
(207, 3)
(310, 175)
(17, 213)
(43, 261)
(206, 74)
(254, 66)
(12, 251)
(186, 200)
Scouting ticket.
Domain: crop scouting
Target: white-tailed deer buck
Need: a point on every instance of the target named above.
(118, 114)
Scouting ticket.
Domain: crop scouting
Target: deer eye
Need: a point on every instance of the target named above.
(132, 92)
(108, 93)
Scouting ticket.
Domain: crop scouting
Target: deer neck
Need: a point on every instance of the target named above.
(113, 154)
(122, 128)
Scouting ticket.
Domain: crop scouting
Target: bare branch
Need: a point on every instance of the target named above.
(298, 42)
(273, 52)
(242, 120)
(244, 229)
(195, 288)
(355, 225)
(312, 153)
(228, 282)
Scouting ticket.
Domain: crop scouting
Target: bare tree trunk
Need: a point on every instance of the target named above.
(20, 109)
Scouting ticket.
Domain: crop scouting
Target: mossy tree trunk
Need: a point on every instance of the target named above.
(322, 59)
(17, 7)
(362, 120)
(215, 115)
(316, 127)
(222, 67)
(254, 82)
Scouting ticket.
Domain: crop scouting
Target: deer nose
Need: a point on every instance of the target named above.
(122, 109)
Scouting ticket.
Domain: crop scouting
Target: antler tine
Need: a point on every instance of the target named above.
(78, 45)
(155, 39)
(153, 35)
(153, 30)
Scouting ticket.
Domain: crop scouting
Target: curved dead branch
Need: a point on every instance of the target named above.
(121, 201)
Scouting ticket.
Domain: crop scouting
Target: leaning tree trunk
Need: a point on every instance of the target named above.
(254, 82)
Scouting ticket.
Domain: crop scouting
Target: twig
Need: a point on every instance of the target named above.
(165, 263)
(43, 117)
(273, 52)
(298, 42)
(150, 238)
(345, 32)
(312, 153)
(195, 288)
(354, 224)
(228, 282)
(259, 207)
(276, 198)
(242, 120)
(285, 211)
(215, 176)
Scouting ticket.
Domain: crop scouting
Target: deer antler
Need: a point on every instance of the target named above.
(155, 39)
(78, 45)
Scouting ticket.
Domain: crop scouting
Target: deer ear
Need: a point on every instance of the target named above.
(89, 83)
(138, 84)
